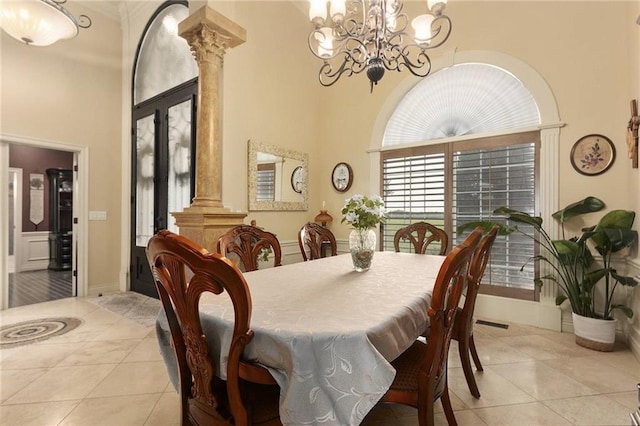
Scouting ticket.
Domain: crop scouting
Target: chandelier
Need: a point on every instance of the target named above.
(351, 36)
(40, 22)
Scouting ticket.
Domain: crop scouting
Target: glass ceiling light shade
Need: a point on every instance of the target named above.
(352, 36)
(40, 22)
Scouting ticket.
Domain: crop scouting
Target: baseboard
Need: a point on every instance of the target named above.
(104, 289)
(633, 340)
(519, 311)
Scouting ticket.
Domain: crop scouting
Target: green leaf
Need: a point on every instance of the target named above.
(521, 217)
(622, 219)
(590, 279)
(605, 235)
(486, 227)
(560, 298)
(587, 205)
(616, 239)
(537, 282)
(628, 281)
(625, 310)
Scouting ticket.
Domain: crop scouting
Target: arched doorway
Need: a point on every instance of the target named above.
(163, 130)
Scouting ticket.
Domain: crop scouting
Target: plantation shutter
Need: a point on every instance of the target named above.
(451, 184)
(413, 191)
(485, 179)
(266, 187)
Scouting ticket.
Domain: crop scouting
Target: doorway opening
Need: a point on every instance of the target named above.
(41, 262)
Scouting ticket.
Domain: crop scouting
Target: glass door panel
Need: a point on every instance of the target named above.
(145, 174)
(179, 167)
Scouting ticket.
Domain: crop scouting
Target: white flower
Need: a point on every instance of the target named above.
(362, 212)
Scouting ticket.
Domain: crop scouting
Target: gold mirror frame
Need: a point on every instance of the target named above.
(254, 204)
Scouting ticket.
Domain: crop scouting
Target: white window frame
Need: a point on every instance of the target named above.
(543, 313)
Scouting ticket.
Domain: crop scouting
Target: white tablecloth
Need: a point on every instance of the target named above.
(327, 333)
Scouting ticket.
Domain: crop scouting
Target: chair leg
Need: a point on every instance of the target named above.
(474, 353)
(463, 349)
(446, 405)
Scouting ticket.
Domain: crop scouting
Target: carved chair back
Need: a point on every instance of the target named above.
(248, 243)
(463, 327)
(422, 235)
(452, 279)
(183, 271)
(310, 239)
(421, 371)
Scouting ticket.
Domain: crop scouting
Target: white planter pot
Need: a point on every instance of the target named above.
(594, 333)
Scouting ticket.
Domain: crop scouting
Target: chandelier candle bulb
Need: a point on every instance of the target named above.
(338, 10)
(325, 40)
(317, 12)
(422, 27)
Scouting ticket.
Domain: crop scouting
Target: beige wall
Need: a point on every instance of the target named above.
(634, 174)
(70, 93)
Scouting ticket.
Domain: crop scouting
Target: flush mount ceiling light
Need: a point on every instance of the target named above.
(352, 36)
(40, 22)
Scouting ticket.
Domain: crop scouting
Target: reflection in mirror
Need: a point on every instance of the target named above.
(277, 178)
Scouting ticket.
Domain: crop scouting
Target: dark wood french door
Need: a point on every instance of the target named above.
(163, 167)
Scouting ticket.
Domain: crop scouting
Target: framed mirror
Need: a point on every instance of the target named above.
(277, 178)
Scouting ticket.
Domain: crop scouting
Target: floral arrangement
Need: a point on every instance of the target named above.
(363, 212)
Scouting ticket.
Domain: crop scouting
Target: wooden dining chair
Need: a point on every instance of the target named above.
(248, 243)
(310, 239)
(421, 371)
(423, 236)
(183, 271)
(463, 326)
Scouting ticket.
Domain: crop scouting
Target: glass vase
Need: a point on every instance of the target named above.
(362, 244)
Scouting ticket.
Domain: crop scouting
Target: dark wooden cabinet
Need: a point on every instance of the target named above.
(60, 218)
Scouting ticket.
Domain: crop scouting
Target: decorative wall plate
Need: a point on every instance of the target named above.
(342, 177)
(593, 154)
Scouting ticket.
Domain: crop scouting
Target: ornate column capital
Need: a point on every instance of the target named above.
(208, 31)
(206, 43)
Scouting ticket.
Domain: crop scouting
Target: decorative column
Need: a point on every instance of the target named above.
(209, 34)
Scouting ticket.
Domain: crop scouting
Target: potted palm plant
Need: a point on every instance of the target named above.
(573, 266)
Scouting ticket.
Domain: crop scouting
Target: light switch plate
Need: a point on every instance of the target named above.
(97, 215)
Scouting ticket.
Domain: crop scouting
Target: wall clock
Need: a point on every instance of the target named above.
(592, 155)
(342, 177)
(297, 179)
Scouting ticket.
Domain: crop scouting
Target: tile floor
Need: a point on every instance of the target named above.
(109, 372)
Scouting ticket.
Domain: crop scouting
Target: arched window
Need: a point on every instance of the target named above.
(164, 60)
(460, 144)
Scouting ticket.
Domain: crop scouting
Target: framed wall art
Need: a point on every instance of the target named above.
(592, 154)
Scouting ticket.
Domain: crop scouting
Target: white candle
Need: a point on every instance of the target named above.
(323, 205)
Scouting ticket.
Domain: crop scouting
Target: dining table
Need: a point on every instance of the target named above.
(326, 333)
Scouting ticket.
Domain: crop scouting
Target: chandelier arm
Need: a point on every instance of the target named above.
(328, 77)
(84, 21)
(420, 68)
(358, 50)
(443, 23)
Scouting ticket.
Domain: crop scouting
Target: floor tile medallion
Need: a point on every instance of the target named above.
(27, 332)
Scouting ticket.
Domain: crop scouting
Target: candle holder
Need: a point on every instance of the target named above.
(323, 218)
